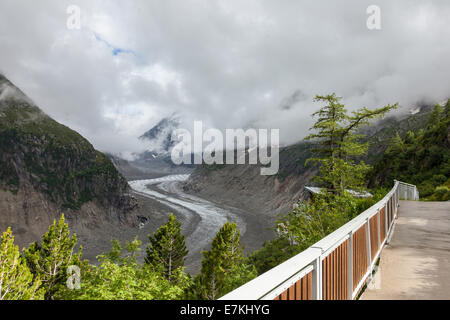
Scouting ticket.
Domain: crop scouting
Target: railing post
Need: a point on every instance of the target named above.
(386, 212)
(397, 200)
(369, 253)
(350, 266)
(379, 228)
(317, 279)
(394, 202)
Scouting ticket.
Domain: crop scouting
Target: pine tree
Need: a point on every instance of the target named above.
(223, 267)
(338, 143)
(167, 248)
(447, 109)
(49, 260)
(435, 115)
(396, 145)
(16, 280)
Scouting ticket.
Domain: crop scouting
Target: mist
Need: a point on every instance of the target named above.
(230, 64)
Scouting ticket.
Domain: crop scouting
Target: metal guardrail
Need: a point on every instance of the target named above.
(336, 267)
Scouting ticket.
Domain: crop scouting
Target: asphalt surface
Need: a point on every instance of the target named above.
(416, 263)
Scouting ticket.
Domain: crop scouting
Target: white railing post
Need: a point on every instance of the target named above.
(317, 279)
(350, 266)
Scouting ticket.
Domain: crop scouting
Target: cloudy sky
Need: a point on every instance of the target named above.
(232, 64)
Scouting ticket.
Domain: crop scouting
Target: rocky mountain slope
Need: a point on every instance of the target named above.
(47, 169)
(242, 186)
(159, 137)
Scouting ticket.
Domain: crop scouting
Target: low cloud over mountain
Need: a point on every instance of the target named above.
(232, 64)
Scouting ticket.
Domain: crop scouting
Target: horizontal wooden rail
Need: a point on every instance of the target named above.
(336, 267)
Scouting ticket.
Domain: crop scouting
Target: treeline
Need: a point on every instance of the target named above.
(421, 158)
(49, 270)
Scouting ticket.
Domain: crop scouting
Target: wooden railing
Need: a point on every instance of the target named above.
(336, 267)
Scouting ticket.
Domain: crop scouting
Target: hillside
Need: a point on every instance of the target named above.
(47, 169)
(242, 185)
(421, 157)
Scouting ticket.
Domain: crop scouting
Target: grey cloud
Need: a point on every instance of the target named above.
(293, 99)
(229, 63)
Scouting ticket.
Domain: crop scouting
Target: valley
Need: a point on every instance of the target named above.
(201, 218)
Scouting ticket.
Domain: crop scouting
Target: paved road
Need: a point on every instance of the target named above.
(416, 263)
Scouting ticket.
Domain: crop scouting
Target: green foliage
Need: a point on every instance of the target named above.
(435, 117)
(312, 221)
(396, 145)
(223, 267)
(42, 271)
(167, 248)
(421, 158)
(49, 260)
(307, 224)
(16, 280)
(272, 254)
(120, 277)
(441, 193)
(338, 145)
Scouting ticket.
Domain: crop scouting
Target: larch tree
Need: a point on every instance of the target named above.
(16, 280)
(435, 116)
(50, 259)
(167, 248)
(223, 267)
(338, 143)
(119, 276)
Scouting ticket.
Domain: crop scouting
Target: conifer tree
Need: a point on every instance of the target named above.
(447, 109)
(50, 259)
(119, 276)
(338, 143)
(435, 115)
(396, 145)
(167, 248)
(223, 267)
(16, 280)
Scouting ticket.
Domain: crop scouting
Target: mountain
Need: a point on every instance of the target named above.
(159, 138)
(47, 169)
(156, 160)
